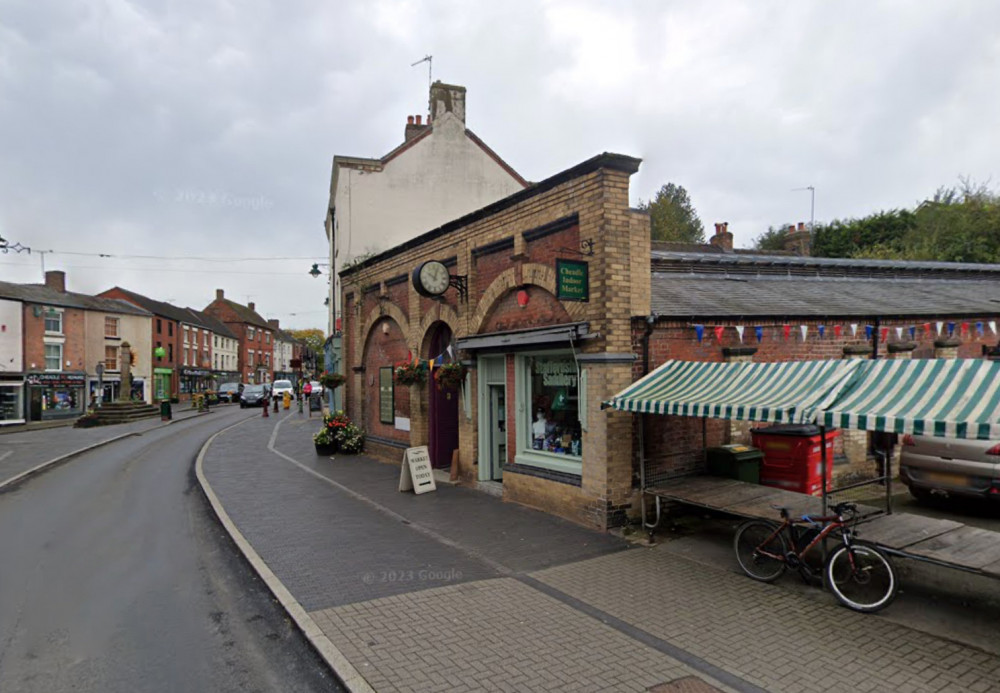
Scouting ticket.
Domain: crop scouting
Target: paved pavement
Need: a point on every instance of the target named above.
(23, 450)
(457, 590)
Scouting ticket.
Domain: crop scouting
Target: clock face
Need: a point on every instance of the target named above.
(433, 278)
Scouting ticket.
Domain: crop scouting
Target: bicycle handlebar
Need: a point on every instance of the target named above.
(841, 508)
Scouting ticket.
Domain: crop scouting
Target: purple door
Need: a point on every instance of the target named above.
(443, 407)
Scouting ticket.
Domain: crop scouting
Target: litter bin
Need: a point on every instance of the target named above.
(793, 457)
(165, 413)
(740, 462)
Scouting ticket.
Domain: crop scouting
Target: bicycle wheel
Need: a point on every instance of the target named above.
(754, 537)
(861, 577)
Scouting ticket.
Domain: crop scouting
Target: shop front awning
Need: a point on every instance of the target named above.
(939, 397)
(957, 398)
(772, 392)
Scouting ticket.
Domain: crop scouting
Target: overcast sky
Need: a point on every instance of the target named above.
(206, 128)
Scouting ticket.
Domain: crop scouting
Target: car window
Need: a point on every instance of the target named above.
(251, 389)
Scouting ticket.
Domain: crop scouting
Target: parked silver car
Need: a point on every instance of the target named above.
(950, 467)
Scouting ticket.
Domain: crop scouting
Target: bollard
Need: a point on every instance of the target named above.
(265, 415)
(275, 404)
(286, 400)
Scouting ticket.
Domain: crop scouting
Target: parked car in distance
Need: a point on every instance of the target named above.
(317, 387)
(254, 396)
(280, 387)
(229, 392)
(950, 467)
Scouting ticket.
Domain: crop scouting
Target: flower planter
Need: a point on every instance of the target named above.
(327, 450)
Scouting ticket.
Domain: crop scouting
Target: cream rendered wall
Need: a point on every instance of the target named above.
(11, 337)
(226, 350)
(137, 330)
(442, 177)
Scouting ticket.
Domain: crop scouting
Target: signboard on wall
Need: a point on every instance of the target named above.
(386, 404)
(572, 280)
(416, 474)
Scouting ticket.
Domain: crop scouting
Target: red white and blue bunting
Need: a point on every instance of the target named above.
(911, 332)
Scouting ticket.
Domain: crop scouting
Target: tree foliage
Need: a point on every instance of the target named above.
(672, 216)
(958, 224)
(313, 337)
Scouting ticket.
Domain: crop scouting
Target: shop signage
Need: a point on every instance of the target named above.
(386, 405)
(196, 372)
(416, 474)
(57, 379)
(556, 372)
(163, 371)
(572, 280)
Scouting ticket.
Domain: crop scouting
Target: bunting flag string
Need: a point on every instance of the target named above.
(928, 330)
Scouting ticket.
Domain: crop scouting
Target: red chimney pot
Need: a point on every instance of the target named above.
(409, 120)
(419, 118)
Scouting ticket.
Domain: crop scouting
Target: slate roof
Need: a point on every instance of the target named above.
(212, 323)
(164, 310)
(42, 294)
(696, 285)
(246, 315)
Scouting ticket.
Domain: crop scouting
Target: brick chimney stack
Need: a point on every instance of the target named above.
(219, 294)
(274, 323)
(413, 127)
(56, 279)
(799, 240)
(447, 98)
(722, 238)
(252, 306)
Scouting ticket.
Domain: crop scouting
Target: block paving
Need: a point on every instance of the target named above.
(457, 590)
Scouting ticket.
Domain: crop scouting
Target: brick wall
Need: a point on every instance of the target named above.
(589, 205)
(74, 347)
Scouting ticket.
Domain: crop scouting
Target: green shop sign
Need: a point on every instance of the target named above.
(572, 280)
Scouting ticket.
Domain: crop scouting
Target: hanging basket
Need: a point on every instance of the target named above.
(408, 373)
(332, 380)
(450, 376)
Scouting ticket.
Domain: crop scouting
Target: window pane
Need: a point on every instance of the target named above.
(110, 358)
(110, 327)
(53, 322)
(53, 357)
(554, 390)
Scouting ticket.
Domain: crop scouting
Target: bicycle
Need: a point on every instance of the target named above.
(859, 574)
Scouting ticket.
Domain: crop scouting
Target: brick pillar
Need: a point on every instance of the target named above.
(856, 442)
(946, 348)
(419, 415)
(738, 431)
(901, 350)
(125, 361)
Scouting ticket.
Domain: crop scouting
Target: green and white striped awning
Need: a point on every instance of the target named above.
(773, 392)
(938, 397)
(957, 398)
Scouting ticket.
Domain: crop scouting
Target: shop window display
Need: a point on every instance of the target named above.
(554, 397)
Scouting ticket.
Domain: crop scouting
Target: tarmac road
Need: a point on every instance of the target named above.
(114, 576)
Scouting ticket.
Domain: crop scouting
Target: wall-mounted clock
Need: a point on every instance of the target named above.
(431, 278)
